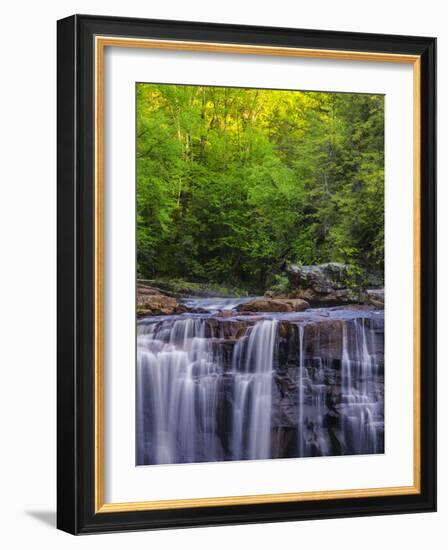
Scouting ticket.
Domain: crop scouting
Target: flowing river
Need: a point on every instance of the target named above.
(222, 385)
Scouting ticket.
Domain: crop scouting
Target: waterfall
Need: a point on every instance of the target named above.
(177, 397)
(360, 406)
(252, 373)
(214, 387)
(301, 427)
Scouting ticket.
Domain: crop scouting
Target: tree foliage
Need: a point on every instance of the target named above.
(232, 183)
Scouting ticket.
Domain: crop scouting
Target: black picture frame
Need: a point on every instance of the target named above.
(76, 512)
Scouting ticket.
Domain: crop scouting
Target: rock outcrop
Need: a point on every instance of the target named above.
(156, 304)
(375, 297)
(274, 305)
(150, 301)
(330, 284)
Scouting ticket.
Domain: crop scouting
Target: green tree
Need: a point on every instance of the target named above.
(231, 183)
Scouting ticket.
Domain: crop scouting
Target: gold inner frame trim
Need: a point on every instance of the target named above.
(101, 42)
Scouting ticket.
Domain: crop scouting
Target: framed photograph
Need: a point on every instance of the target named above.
(246, 274)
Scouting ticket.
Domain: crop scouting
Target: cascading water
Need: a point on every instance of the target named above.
(214, 387)
(213, 304)
(177, 397)
(361, 406)
(252, 375)
(301, 426)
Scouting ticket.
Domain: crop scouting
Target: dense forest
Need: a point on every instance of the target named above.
(234, 183)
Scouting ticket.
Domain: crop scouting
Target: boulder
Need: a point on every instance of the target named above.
(297, 304)
(153, 301)
(274, 305)
(376, 297)
(156, 304)
(324, 284)
(322, 278)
